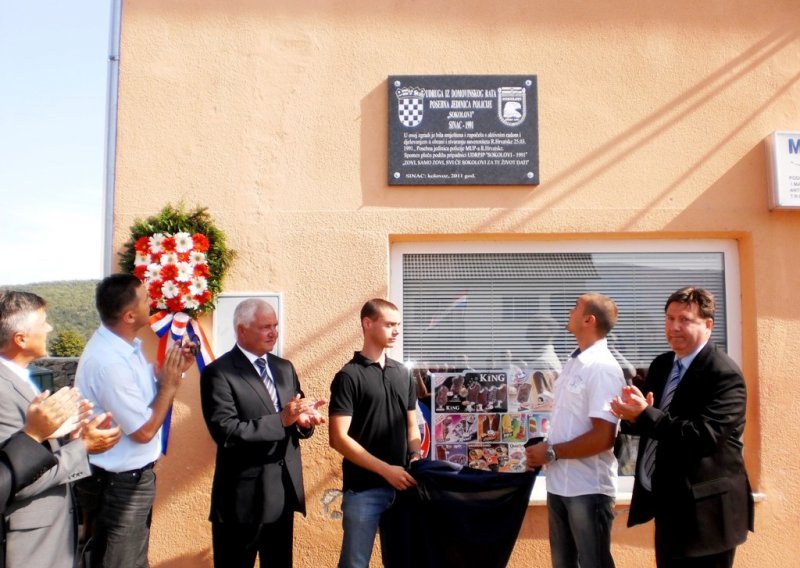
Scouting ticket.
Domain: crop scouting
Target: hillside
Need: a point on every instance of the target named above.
(70, 304)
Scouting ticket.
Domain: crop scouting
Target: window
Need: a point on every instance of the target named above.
(501, 307)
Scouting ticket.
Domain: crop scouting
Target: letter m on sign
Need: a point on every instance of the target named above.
(794, 146)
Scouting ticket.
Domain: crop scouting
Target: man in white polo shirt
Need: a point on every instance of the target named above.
(115, 376)
(581, 467)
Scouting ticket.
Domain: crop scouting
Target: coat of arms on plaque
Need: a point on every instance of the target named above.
(511, 107)
(410, 105)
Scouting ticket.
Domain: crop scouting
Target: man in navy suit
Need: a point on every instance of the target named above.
(690, 472)
(257, 415)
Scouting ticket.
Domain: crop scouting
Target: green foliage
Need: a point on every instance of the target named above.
(70, 304)
(67, 343)
(171, 220)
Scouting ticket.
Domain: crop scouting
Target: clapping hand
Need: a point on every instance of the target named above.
(57, 415)
(630, 404)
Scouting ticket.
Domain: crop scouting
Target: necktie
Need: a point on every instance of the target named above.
(267, 380)
(648, 463)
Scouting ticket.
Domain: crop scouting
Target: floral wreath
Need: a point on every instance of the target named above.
(181, 257)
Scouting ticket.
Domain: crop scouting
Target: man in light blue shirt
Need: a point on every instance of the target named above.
(114, 375)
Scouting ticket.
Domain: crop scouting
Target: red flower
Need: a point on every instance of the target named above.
(155, 257)
(205, 297)
(142, 245)
(184, 288)
(140, 271)
(168, 245)
(201, 243)
(169, 272)
(153, 305)
(183, 257)
(155, 289)
(175, 304)
(202, 270)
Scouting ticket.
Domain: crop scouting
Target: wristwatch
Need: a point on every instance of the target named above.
(550, 454)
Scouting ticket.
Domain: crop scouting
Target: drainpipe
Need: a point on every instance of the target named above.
(109, 264)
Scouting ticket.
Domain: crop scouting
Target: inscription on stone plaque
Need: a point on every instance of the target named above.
(463, 130)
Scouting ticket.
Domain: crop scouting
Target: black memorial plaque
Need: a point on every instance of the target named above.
(463, 130)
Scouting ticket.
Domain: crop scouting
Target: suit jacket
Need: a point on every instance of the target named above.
(40, 520)
(22, 461)
(701, 497)
(258, 468)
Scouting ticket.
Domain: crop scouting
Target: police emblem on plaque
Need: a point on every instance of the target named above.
(511, 107)
(410, 105)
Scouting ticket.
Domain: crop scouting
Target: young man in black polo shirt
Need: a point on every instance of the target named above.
(373, 424)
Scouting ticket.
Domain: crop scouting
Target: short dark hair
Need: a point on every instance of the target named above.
(372, 309)
(115, 293)
(603, 309)
(14, 309)
(695, 295)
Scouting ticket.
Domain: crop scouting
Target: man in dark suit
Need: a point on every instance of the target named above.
(690, 472)
(257, 414)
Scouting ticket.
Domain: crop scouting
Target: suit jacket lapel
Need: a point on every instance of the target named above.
(283, 382)
(689, 380)
(22, 387)
(250, 376)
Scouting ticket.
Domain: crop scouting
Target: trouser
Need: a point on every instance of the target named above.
(720, 560)
(362, 514)
(580, 530)
(236, 544)
(118, 508)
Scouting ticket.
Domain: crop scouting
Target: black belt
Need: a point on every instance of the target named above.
(131, 473)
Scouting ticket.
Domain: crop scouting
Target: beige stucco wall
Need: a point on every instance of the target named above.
(652, 121)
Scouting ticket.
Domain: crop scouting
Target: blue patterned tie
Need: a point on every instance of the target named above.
(648, 463)
(267, 380)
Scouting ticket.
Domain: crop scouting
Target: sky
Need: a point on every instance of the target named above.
(53, 85)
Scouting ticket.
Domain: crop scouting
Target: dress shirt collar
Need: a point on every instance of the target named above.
(252, 358)
(118, 344)
(589, 354)
(686, 361)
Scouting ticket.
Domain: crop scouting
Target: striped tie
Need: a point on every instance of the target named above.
(648, 463)
(267, 380)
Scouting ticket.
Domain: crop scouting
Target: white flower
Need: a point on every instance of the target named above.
(169, 258)
(161, 305)
(156, 241)
(190, 303)
(170, 289)
(153, 271)
(183, 242)
(197, 257)
(185, 272)
(142, 259)
(198, 286)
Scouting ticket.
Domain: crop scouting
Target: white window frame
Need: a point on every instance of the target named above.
(728, 247)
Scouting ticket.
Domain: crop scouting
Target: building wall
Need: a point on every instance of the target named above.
(274, 115)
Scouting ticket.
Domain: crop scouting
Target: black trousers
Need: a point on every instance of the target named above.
(720, 560)
(236, 544)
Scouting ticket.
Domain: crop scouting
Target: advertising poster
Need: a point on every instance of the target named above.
(483, 418)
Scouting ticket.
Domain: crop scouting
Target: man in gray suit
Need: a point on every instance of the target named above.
(40, 521)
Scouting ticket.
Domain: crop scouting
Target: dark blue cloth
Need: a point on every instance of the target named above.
(457, 516)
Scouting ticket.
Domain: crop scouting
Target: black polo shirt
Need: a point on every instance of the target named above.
(378, 400)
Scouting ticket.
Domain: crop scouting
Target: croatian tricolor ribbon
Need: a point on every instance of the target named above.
(170, 328)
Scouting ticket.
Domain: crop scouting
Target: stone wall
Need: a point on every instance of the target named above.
(63, 369)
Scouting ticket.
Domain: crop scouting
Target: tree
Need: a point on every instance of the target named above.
(67, 343)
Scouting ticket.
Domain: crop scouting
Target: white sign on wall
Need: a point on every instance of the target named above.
(783, 157)
(225, 334)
